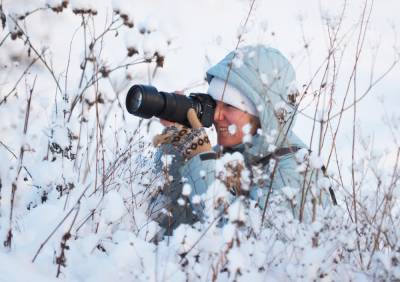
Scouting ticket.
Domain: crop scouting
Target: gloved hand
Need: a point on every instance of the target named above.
(187, 141)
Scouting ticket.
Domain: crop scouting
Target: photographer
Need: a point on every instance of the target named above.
(254, 115)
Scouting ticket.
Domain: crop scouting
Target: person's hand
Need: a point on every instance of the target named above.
(187, 141)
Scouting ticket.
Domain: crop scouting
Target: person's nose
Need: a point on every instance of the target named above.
(219, 112)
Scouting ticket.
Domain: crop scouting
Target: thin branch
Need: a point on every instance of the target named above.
(18, 80)
(37, 54)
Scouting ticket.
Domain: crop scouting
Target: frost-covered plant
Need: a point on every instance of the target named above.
(76, 173)
(72, 151)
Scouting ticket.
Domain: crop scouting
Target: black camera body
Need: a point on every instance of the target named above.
(146, 101)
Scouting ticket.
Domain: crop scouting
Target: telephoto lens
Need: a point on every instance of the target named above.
(146, 101)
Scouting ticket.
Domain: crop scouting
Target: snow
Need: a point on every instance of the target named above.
(237, 212)
(167, 160)
(154, 43)
(246, 131)
(316, 161)
(301, 155)
(269, 138)
(123, 8)
(237, 61)
(271, 148)
(53, 3)
(186, 189)
(91, 173)
(185, 237)
(324, 183)
(113, 208)
(228, 232)
(60, 136)
(181, 202)
(281, 110)
(216, 193)
(232, 129)
(196, 199)
(149, 25)
(246, 128)
(246, 138)
(133, 41)
(237, 260)
(289, 192)
(84, 6)
(264, 78)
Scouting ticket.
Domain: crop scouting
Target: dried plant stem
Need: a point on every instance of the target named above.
(15, 157)
(388, 199)
(40, 56)
(237, 46)
(61, 259)
(269, 192)
(61, 222)
(85, 60)
(18, 80)
(8, 241)
(95, 77)
(5, 38)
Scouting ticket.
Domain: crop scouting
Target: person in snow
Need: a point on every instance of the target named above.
(256, 106)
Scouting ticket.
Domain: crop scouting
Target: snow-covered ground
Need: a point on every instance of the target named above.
(75, 167)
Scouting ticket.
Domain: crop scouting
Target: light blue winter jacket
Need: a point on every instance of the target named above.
(267, 78)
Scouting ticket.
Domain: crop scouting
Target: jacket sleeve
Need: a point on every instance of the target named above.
(167, 190)
(164, 206)
(199, 173)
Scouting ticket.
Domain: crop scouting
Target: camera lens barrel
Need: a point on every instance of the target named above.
(176, 107)
(146, 101)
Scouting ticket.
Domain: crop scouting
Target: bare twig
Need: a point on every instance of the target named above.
(61, 259)
(40, 56)
(60, 223)
(18, 80)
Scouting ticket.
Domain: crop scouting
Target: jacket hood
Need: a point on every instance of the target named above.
(268, 79)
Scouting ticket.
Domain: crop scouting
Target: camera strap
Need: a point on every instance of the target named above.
(278, 153)
(289, 150)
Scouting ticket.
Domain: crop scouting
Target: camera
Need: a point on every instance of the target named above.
(146, 101)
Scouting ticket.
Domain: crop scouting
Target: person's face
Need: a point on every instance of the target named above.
(226, 116)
